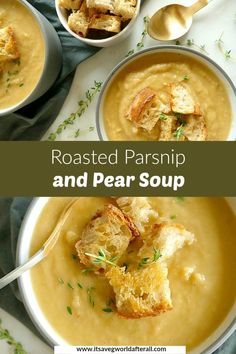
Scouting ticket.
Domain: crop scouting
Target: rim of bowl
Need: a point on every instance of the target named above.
(37, 15)
(125, 61)
(26, 301)
(96, 41)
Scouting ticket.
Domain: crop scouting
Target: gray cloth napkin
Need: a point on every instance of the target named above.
(12, 211)
(31, 122)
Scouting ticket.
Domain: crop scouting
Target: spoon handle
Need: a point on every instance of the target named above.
(13, 275)
(198, 6)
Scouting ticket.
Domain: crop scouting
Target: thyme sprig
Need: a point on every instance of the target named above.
(146, 260)
(192, 43)
(221, 46)
(101, 258)
(83, 104)
(179, 132)
(90, 291)
(144, 34)
(5, 335)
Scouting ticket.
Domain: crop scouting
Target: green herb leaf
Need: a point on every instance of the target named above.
(107, 309)
(79, 285)
(87, 270)
(185, 78)
(74, 257)
(179, 132)
(144, 34)
(157, 255)
(173, 217)
(69, 310)
(163, 117)
(70, 286)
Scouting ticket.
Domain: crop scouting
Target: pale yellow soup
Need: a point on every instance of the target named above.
(157, 71)
(198, 307)
(19, 78)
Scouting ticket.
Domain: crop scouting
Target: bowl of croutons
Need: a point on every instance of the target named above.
(99, 23)
(167, 93)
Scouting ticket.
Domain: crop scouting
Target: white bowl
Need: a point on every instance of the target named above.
(213, 342)
(219, 72)
(63, 16)
(51, 67)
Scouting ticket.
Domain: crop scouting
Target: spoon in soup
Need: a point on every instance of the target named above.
(173, 21)
(44, 251)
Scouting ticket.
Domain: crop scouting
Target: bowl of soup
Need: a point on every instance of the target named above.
(167, 93)
(30, 55)
(66, 300)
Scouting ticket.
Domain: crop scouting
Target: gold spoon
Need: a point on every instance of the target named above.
(173, 21)
(44, 251)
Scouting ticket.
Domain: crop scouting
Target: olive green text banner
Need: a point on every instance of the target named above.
(118, 168)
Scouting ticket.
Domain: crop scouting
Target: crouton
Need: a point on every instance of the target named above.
(70, 4)
(167, 127)
(111, 231)
(139, 210)
(8, 47)
(108, 23)
(101, 5)
(125, 8)
(166, 237)
(143, 292)
(79, 23)
(142, 111)
(182, 100)
(195, 128)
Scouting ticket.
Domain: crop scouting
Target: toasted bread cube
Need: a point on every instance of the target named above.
(167, 128)
(166, 237)
(101, 5)
(125, 8)
(142, 111)
(110, 231)
(195, 128)
(108, 23)
(70, 4)
(141, 293)
(182, 100)
(79, 23)
(139, 210)
(8, 47)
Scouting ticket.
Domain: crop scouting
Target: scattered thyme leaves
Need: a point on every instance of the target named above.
(5, 335)
(77, 133)
(191, 43)
(69, 310)
(91, 129)
(173, 217)
(82, 106)
(140, 44)
(147, 260)
(221, 46)
(90, 291)
(80, 285)
(101, 258)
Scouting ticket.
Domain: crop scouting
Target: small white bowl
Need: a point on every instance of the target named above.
(213, 342)
(51, 67)
(189, 52)
(63, 17)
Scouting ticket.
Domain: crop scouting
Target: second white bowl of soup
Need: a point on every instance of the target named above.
(67, 300)
(30, 55)
(167, 93)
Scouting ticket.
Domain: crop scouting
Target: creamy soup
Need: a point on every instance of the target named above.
(74, 301)
(157, 71)
(19, 77)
